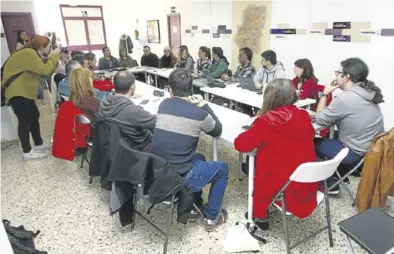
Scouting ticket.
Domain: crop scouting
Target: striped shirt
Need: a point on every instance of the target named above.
(178, 127)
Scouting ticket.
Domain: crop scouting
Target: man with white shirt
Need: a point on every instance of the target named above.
(271, 69)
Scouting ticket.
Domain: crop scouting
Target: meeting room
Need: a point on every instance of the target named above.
(197, 126)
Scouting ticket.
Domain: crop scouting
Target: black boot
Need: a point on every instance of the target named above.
(262, 223)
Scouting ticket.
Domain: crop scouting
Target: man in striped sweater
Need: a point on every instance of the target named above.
(180, 120)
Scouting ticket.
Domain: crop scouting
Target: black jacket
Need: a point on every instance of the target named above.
(105, 139)
(150, 60)
(158, 180)
(126, 43)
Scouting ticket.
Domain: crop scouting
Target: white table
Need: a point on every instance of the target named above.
(234, 93)
(165, 73)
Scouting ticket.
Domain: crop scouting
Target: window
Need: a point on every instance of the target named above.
(84, 27)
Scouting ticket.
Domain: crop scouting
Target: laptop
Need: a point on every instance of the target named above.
(208, 75)
(248, 84)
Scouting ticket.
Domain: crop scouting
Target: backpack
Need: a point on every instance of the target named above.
(21, 240)
(6, 83)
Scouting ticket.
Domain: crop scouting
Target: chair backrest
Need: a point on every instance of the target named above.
(82, 119)
(311, 172)
(65, 98)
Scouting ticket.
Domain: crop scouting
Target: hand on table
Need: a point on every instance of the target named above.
(195, 99)
(225, 77)
(298, 92)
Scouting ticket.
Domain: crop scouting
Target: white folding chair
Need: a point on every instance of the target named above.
(82, 119)
(310, 172)
(341, 179)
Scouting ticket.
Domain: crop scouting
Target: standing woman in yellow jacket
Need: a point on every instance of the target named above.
(27, 66)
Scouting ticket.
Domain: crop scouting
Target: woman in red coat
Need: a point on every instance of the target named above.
(283, 135)
(305, 81)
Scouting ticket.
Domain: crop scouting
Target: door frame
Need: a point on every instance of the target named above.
(169, 28)
(28, 14)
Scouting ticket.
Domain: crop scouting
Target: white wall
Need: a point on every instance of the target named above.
(325, 54)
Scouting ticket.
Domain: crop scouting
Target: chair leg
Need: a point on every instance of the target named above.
(329, 228)
(285, 226)
(91, 179)
(349, 246)
(135, 197)
(169, 222)
(83, 158)
(240, 159)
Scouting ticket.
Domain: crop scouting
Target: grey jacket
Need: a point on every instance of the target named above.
(132, 119)
(265, 76)
(357, 118)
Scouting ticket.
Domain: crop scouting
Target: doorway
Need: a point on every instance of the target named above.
(174, 31)
(14, 22)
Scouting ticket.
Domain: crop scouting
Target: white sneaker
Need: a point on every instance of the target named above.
(42, 148)
(35, 155)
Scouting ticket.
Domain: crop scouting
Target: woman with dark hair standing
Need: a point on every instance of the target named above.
(25, 68)
(220, 63)
(355, 112)
(305, 81)
(204, 61)
(22, 40)
(280, 128)
(185, 60)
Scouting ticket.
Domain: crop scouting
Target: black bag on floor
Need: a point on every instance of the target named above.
(21, 240)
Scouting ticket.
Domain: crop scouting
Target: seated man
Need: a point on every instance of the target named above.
(355, 112)
(133, 120)
(220, 64)
(271, 69)
(108, 61)
(64, 85)
(92, 62)
(180, 120)
(82, 60)
(149, 59)
(245, 68)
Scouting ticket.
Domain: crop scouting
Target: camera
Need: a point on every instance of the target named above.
(64, 50)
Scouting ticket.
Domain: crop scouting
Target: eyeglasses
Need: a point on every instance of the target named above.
(338, 72)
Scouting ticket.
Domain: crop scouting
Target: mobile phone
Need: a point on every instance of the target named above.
(245, 127)
(144, 102)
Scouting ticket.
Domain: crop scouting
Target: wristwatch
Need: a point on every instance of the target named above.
(323, 95)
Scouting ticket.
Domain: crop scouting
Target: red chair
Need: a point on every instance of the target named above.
(103, 85)
(320, 89)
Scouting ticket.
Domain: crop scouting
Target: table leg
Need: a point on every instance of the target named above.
(156, 80)
(250, 188)
(206, 96)
(146, 78)
(240, 161)
(349, 246)
(215, 149)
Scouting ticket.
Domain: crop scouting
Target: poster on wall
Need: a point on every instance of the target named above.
(153, 31)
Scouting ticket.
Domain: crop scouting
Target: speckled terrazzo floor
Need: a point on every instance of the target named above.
(55, 197)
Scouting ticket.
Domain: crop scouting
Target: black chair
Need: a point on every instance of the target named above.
(372, 230)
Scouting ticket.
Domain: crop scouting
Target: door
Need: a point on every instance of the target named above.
(12, 23)
(174, 31)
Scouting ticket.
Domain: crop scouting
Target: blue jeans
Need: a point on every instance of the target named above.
(329, 148)
(203, 173)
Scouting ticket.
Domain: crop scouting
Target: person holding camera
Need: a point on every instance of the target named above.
(21, 78)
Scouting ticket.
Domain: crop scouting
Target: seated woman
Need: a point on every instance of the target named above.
(126, 60)
(168, 60)
(185, 60)
(281, 129)
(305, 81)
(204, 61)
(220, 63)
(82, 94)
